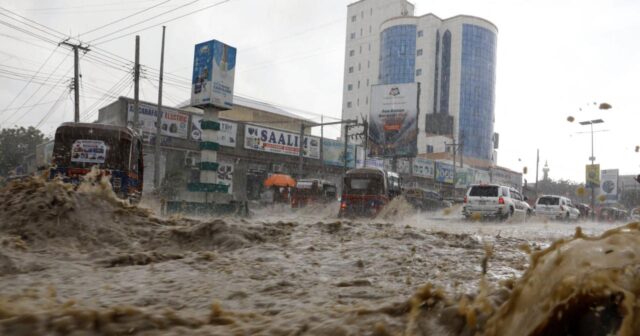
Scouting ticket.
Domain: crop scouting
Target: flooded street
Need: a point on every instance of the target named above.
(83, 262)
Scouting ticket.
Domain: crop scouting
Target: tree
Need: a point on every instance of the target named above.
(15, 144)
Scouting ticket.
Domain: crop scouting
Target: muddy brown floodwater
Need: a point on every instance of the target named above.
(84, 263)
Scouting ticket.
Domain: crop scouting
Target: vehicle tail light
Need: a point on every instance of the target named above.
(561, 208)
(500, 200)
(343, 205)
(465, 200)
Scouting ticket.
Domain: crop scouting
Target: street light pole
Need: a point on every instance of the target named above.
(592, 159)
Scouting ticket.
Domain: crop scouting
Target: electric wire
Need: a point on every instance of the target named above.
(124, 18)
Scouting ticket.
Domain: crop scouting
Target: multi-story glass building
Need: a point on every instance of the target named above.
(454, 60)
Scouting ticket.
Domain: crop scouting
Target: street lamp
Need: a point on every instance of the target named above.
(593, 159)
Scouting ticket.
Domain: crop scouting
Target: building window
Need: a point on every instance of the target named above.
(360, 32)
(368, 64)
(367, 100)
(420, 33)
(370, 11)
(358, 102)
(369, 46)
(367, 81)
(353, 35)
(359, 67)
(418, 72)
(350, 69)
(445, 76)
(352, 52)
(349, 104)
(361, 49)
(429, 149)
(397, 55)
(349, 87)
(358, 84)
(361, 14)
(369, 29)
(419, 52)
(353, 18)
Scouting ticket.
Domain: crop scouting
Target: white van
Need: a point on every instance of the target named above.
(492, 200)
(557, 207)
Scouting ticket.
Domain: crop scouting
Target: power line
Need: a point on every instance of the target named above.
(143, 21)
(124, 18)
(164, 22)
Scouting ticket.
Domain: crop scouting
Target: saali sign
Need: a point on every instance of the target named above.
(280, 142)
(393, 122)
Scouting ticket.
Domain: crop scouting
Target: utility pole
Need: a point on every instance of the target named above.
(322, 142)
(156, 156)
(301, 149)
(76, 76)
(366, 141)
(537, 168)
(346, 145)
(136, 87)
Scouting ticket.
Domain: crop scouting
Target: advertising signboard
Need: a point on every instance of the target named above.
(174, 122)
(280, 142)
(213, 75)
(444, 172)
(88, 151)
(226, 135)
(609, 185)
(424, 168)
(393, 120)
(225, 175)
(333, 153)
(592, 175)
(481, 177)
(464, 178)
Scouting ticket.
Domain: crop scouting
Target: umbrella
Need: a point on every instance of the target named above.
(280, 180)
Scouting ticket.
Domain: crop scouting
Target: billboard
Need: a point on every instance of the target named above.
(333, 153)
(213, 74)
(592, 176)
(174, 122)
(393, 120)
(424, 168)
(280, 142)
(609, 185)
(444, 172)
(226, 135)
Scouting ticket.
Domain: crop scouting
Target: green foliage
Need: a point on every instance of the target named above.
(15, 144)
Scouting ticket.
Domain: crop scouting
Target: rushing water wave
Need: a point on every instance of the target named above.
(83, 262)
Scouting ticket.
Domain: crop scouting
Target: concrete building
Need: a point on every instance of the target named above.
(454, 60)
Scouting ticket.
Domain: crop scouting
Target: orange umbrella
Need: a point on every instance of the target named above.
(280, 180)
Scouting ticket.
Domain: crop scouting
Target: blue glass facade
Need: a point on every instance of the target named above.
(446, 72)
(398, 54)
(477, 91)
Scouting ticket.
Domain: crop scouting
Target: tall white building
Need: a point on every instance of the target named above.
(454, 60)
(362, 51)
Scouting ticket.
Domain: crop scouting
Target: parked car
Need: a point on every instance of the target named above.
(492, 200)
(424, 199)
(612, 214)
(313, 191)
(585, 210)
(556, 207)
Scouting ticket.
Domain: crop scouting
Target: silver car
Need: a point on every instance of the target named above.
(492, 200)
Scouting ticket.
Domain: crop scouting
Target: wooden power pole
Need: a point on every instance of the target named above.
(76, 76)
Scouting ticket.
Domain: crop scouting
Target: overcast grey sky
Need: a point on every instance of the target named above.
(554, 58)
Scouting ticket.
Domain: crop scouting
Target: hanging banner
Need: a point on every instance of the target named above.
(226, 135)
(213, 75)
(592, 176)
(225, 175)
(174, 122)
(333, 153)
(444, 172)
(280, 142)
(424, 168)
(393, 126)
(609, 185)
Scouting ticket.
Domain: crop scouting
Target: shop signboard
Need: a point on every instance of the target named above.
(393, 120)
(174, 122)
(213, 75)
(271, 140)
(424, 168)
(226, 135)
(464, 178)
(444, 172)
(333, 153)
(609, 185)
